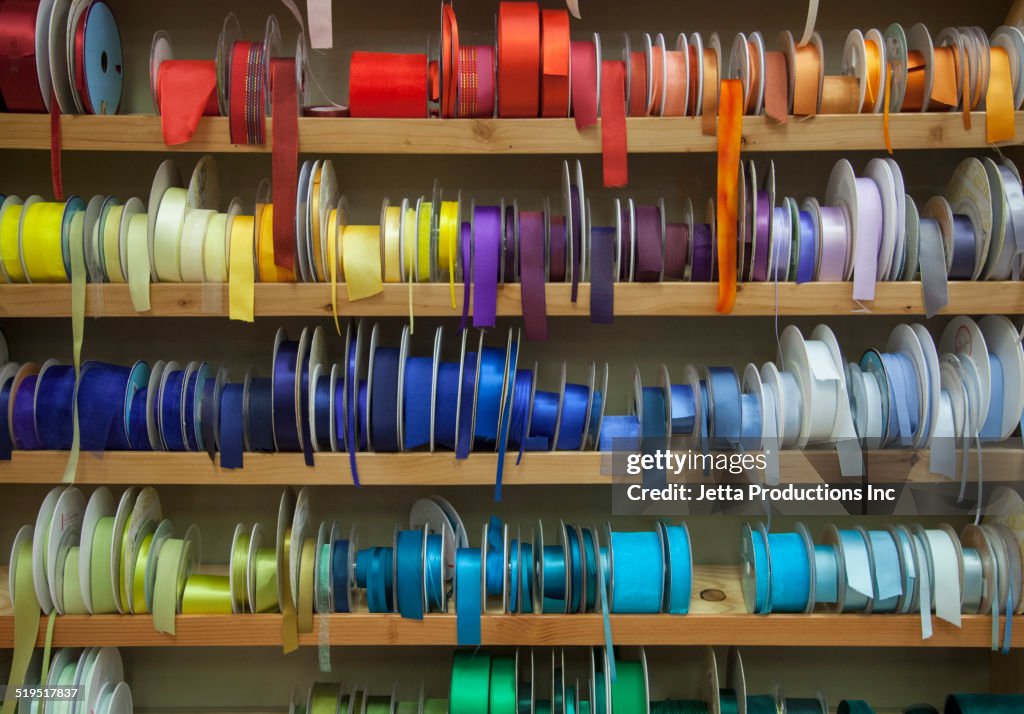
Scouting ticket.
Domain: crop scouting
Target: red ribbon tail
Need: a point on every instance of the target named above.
(55, 162)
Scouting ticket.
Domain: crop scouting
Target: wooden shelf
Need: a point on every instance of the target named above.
(442, 469)
(723, 620)
(507, 136)
(433, 300)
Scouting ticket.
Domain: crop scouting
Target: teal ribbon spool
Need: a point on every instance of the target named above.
(576, 573)
(984, 704)
(590, 561)
(729, 702)
(600, 694)
(542, 707)
(855, 706)
(639, 575)
(583, 707)
(762, 704)
(920, 709)
(554, 578)
(804, 706)
(570, 700)
(524, 699)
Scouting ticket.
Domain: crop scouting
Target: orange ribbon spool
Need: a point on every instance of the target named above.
(913, 96)
(776, 86)
(999, 105)
(709, 100)
(806, 73)
(873, 75)
(519, 59)
(944, 84)
(637, 84)
(555, 48)
(840, 94)
(675, 84)
(449, 61)
(753, 78)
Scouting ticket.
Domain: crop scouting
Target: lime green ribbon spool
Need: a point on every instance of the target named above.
(26, 621)
(266, 581)
(985, 704)
(378, 705)
(324, 698)
(139, 576)
(471, 678)
(503, 686)
(629, 689)
(408, 708)
(102, 587)
(207, 595)
(240, 571)
(435, 706)
(73, 602)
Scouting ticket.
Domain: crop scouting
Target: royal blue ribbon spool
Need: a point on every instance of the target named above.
(446, 405)
(286, 426)
(543, 420)
(24, 428)
(170, 411)
(409, 564)
(208, 406)
(6, 445)
(464, 438)
(488, 402)
(638, 571)
(101, 392)
(138, 421)
(384, 400)
(619, 433)
(188, 407)
(419, 385)
(574, 417)
(340, 575)
(261, 415)
(322, 411)
(54, 404)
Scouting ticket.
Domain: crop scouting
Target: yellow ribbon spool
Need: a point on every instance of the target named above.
(112, 244)
(207, 595)
(333, 255)
(10, 254)
(360, 247)
(137, 246)
(448, 242)
(423, 242)
(241, 274)
(40, 243)
(323, 698)
(392, 244)
(314, 221)
(99, 567)
(409, 258)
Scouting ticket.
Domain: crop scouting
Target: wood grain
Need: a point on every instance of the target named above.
(506, 136)
(631, 300)
(443, 469)
(710, 623)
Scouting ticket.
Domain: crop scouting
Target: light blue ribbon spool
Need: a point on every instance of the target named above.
(104, 67)
(854, 568)
(974, 580)
(790, 572)
(724, 407)
(826, 575)
(637, 566)
(992, 429)
(887, 571)
(678, 567)
(756, 571)
(908, 567)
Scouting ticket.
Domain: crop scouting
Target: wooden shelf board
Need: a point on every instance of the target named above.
(718, 622)
(507, 136)
(433, 300)
(443, 469)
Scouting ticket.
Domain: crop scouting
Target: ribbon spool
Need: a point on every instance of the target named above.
(779, 570)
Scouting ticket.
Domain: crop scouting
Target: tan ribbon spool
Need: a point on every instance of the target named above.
(840, 94)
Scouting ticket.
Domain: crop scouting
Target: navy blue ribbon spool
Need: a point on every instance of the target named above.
(24, 427)
(418, 388)
(409, 564)
(6, 447)
(208, 409)
(101, 391)
(322, 410)
(384, 400)
(351, 441)
(286, 427)
(261, 416)
(232, 442)
(602, 275)
(468, 598)
(543, 420)
(340, 575)
(55, 396)
(188, 409)
(488, 400)
(307, 440)
(138, 421)
(362, 430)
(464, 438)
(574, 417)
(170, 412)
(434, 565)
(653, 432)
(447, 400)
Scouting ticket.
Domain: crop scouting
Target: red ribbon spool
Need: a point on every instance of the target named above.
(386, 85)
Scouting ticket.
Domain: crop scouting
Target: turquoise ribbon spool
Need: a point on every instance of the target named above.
(679, 568)
(804, 706)
(791, 572)
(854, 706)
(576, 571)
(590, 561)
(756, 575)
(762, 704)
(554, 578)
(729, 703)
(637, 560)
(984, 704)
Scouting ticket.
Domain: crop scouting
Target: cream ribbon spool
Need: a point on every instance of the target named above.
(137, 246)
(193, 241)
(170, 219)
(112, 243)
(215, 253)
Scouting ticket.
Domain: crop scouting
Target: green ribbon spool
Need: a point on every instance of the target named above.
(378, 705)
(435, 706)
(239, 571)
(502, 697)
(629, 690)
(102, 588)
(985, 703)
(762, 704)
(324, 698)
(570, 700)
(543, 707)
(855, 706)
(730, 703)
(471, 679)
(583, 707)
(408, 708)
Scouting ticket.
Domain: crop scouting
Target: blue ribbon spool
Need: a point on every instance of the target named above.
(446, 404)
(54, 401)
(6, 445)
(826, 575)
(188, 411)
(102, 58)
(619, 433)
(434, 565)
(23, 430)
(170, 411)
(286, 426)
(409, 564)
(506, 417)
(856, 550)
(468, 600)
(489, 390)
(306, 439)
(384, 400)
(260, 415)
(209, 405)
(464, 436)
(138, 426)
(653, 432)
(887, 573)
(232, 443)
(683, 409)
(790, 572)
(522, 390)
(756, 572)
(377, 566)
(543, 420)
(595, 419)
(494, 575)
(638, 572)
(362, 430)
(751, 429)
(903, 397)
(554, 566)
(724, 407)
(340, 575)
(679, 568)
(419, 386)
(322, 410)
(513, 576)
(101, 393)
(351, 438)
(574, 417)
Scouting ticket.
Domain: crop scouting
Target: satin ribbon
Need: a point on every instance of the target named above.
(650, 257)
(999, 105)
(584, 84)
(807, 242)
(487, 227)
(730, 132)
(186, 92)
(613, 124)
(532, 275)
(387, 85)
(962, 254)
(519, 59)
(384, 400)
(868, 240)
(835, 237)
(555, 52)
(468, 603)
(19, 80)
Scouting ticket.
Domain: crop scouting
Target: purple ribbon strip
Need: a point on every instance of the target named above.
(466, 235)
(531, 275)
(486, 251)
(577, 239)
(602, 275)
(962, 265)
(808, 252)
